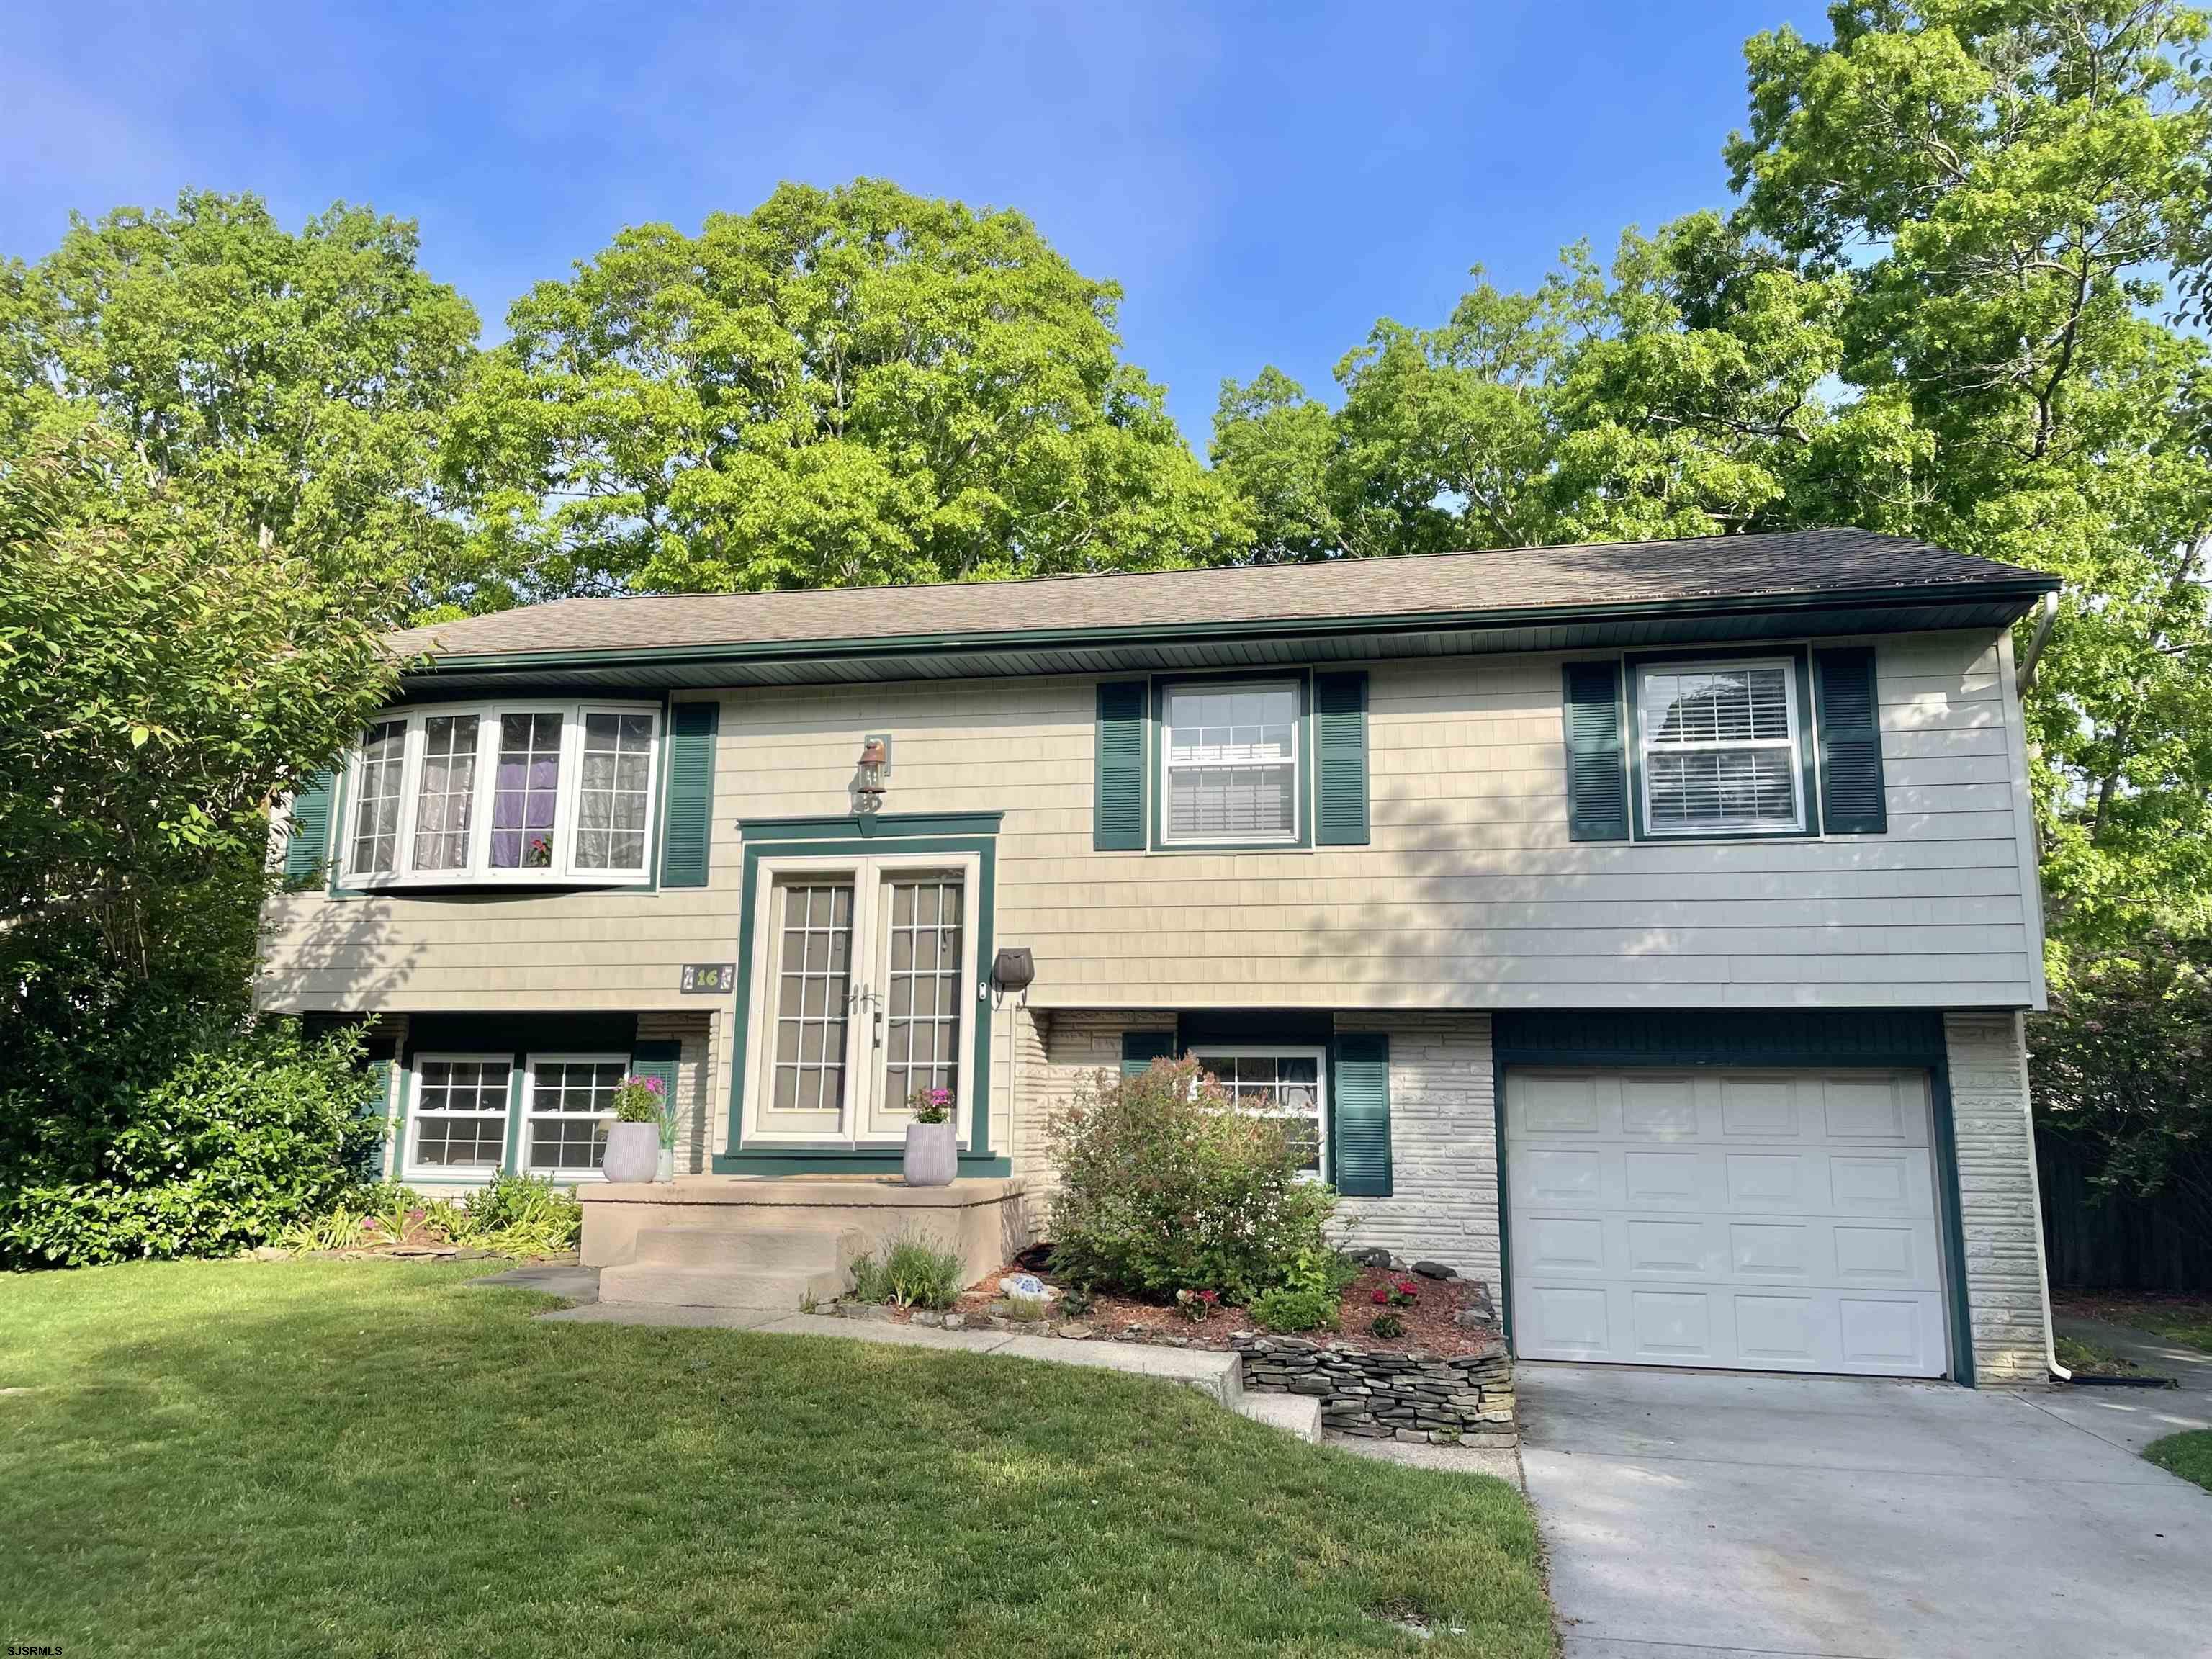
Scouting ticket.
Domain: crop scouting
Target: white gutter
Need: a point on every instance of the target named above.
(2035, 1196)
(2037, 640)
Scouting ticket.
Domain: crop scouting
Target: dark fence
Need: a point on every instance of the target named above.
(2108, 1241)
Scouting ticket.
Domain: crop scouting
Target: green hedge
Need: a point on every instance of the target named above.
(236, 1145)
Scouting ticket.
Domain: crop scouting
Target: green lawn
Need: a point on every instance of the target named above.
(2189, 1455)
(374, 1458)
(2186, 1320)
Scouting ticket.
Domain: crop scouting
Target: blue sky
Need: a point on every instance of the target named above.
(1264, 181)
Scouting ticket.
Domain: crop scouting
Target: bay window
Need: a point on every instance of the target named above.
(531, 792)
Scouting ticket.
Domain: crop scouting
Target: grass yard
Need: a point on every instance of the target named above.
(374, 1459)
(2186, 1320)
(2189, 1455)
(2091, 1359)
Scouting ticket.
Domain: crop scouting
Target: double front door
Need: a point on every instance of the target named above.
(864, 978)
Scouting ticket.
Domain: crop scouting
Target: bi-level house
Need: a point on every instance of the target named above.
(1646, 929)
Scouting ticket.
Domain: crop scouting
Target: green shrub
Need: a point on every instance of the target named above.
(912, 1273)
(1310, 1296)
(234, 1147)
(520, 1215)
(1165, 1186)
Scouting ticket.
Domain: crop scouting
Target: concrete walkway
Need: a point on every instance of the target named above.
(2132, 1417)
(1709, 1514)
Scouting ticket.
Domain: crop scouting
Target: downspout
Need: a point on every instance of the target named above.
(2035, 1196)
(2041, 637)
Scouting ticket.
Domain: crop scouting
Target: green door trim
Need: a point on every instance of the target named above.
(974, 833)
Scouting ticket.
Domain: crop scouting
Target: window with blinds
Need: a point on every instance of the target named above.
(1230, 763)
(1719, 747)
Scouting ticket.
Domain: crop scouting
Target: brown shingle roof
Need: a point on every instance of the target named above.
(1804, 562)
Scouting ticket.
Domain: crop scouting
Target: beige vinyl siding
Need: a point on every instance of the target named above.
(1471, 895)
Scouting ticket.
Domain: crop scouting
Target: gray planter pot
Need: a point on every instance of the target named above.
(665, 1169)
(633, 1151)
(932, 1154)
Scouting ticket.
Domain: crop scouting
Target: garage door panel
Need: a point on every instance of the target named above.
(1570, 1321)
(1567, 1244)
(1865, 1110)
(1667, 1181)
(1772, 1249)
(1669, 1248)
(1756, 1108)
(1757, 1220)
(1671, 1328)
(1562, 1104)
(1659, 1108)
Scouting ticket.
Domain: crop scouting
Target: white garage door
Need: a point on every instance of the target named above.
(1753, 1219)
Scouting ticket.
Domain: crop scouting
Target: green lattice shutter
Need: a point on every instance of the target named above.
(1118, 807)
(1852, 798)
(658, 1058)
(308, 831)
(1140, 1048)
(1597, 783)
(1341, 760)
(687, 833)
(1361, 1103)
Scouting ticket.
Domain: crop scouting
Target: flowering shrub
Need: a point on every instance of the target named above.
(1399, 1293)
(1165, 1186)
(930, 1105)
(1195, 1305)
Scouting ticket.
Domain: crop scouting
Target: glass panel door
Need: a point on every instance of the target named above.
(812, 1001)
(918, 958)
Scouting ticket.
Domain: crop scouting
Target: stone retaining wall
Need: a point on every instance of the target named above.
(1466, 1400)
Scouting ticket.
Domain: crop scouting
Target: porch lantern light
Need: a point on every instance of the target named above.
(874, 775)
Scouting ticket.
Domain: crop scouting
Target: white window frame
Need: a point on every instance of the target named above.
(471, 1174)
(1205, 1053)
(1169, 766)
(478, 870)
(865, 871)
(531, 1115)
(1792, 746)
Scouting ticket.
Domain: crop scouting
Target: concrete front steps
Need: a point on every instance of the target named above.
(762, 1262)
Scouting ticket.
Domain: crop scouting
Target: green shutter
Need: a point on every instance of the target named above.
(1362, 1109)
(1341, 760)
(308, 831)
(1118, 805)
(658, 1059)
(378, 1106)
(1140, 1048)
(1597, 784)
(688, 829)
(1852, 799)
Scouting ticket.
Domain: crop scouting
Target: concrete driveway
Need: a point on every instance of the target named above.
(1701, 1513)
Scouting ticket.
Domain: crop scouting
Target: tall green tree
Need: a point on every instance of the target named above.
(2006, 188)
(841, 387)
(294, 384)
(1941, 307)
(163, 674)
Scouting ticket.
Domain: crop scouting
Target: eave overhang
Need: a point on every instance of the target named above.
(1720, 618)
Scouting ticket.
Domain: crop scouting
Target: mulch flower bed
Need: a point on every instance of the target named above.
(1430, 1320)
